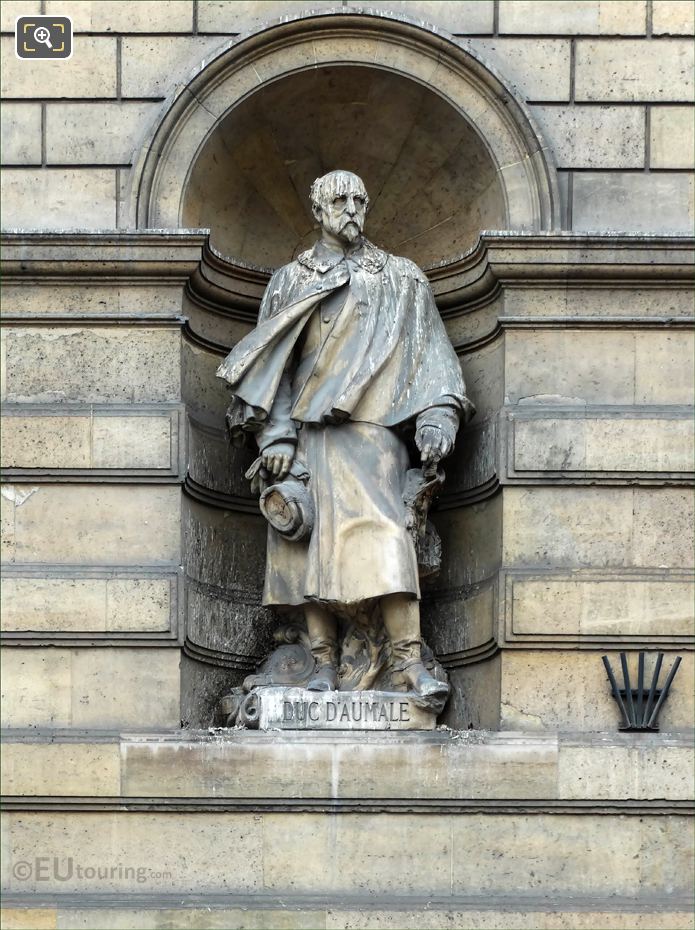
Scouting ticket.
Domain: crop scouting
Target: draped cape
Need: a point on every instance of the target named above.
(386, 359)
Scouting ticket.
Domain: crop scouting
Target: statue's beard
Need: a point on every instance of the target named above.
(351, 232)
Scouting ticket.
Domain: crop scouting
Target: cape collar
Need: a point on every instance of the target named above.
(321, 259)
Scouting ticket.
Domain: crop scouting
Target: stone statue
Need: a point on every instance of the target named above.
(349, 363)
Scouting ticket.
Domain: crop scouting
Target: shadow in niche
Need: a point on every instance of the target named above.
(432, 183)
(433, 187)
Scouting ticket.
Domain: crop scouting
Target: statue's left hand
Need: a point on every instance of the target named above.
(433, 444)
(277, 459)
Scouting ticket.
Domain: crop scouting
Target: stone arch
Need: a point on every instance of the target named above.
(522, 189)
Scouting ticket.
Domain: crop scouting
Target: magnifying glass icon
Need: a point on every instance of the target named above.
(41, 34)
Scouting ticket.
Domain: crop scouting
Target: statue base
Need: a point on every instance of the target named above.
(277, 708)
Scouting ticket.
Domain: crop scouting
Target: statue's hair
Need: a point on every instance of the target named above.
(334, 184)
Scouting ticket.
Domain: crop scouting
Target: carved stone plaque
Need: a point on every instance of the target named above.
(300, 709)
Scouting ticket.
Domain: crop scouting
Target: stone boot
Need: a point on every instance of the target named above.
(325, 653)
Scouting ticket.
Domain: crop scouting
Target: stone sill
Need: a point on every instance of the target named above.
(438, 771)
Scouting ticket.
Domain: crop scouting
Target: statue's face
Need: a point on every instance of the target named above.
(343, 215)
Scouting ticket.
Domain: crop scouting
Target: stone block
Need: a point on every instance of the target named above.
(11, 9)
(584, 526)
(151, 66)
(663, 525)
(630, 69)
(29, 918)
(83, 605)
(91, 72)
(566, 855)
(673, 18)
(672, 137)
(36, 687)
(95, 133)
(526, 918)
(462, 18)
(21, 134)
(138, 604)
(539, 68)
(114, 16)
(96, 524)
(98, 365)
(78, 299)
(568, 527)
(642, 771)
(602, 444)
(141, 852)
(594, 137)
(569, 690)
(544, 606)
(90, 687)
(245, 15)
(245, 918)
(45, 442)
(57, 198)
(40, 769)
(664, 368)
(577, 367)
(82, 442)
(650, 203)
(569, 367)
(132, 442)
(589, 17)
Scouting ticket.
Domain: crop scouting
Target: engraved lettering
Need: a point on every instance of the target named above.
(287, 711)
(405, 713)
(331, 711)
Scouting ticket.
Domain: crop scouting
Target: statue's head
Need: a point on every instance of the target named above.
(339, 202)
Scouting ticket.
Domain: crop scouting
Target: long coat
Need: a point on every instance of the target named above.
(346, 352)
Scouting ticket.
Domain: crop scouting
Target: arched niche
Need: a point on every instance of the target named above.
(446, 150)
(310, 93)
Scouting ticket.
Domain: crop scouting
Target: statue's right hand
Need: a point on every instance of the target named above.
(277, 459)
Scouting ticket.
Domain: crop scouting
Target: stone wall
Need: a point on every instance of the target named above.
(128, 607)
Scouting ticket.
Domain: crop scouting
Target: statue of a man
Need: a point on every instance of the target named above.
(349, 359)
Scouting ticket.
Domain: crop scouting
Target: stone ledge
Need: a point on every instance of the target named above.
(437, 771)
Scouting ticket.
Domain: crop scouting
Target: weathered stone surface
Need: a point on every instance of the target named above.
(48, 442)
(98, 365)
(81, 441)
(58, 198)
(583, 367)
(584, 526)
(600, 17)
(245, 15)
(605, 607)
(599, 301)
(672, 17)
(75, 299)
(594, 137)
(95, 688)
(664, 368)
(618, 202)
(82, 769)
(604, 444)
(540, 68)
(629, 771)
(462, 18)
(569, 690)
(21, 134)
(95, 133)
(132, 442)
(628, 69)
(672, 140)
(526, 917)
(91, 72)
(114, 16)
(151, 66)
(363, 765)
(86, 604)
(95, 524)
